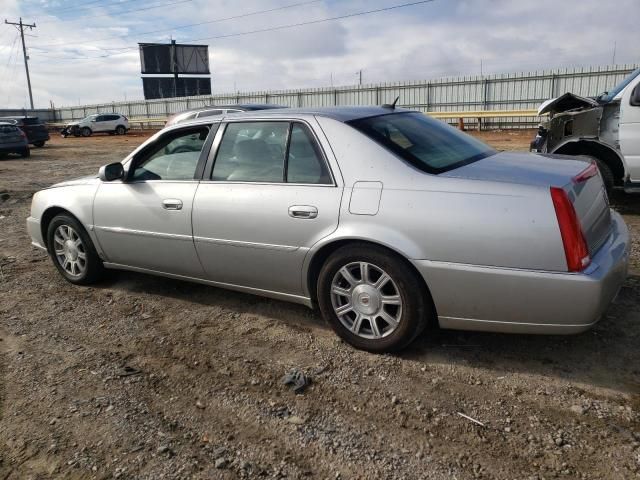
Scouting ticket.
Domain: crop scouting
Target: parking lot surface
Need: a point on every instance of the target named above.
(145, 377)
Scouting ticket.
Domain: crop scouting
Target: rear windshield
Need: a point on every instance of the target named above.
(428, 144)
(31, 121)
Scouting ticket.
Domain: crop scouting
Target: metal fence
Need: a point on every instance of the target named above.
(511, 91)
(46, 115)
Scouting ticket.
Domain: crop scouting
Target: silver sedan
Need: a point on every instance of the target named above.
(384, 218)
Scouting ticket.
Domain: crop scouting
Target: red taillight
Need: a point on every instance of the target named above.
(575, 245)
(586, 174)
(125, 118)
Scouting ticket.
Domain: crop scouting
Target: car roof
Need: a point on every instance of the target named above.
(342, 114)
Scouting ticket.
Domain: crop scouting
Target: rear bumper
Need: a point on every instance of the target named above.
(35, 232)
(469, 297)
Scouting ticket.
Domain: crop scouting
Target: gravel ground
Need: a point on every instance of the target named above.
(142, 377)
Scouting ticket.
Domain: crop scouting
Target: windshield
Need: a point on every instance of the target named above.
(607, 97)
(428, 144)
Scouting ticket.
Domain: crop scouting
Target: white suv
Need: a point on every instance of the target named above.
(112, 123)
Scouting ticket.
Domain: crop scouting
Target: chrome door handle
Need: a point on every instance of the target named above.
(172, 204)
(303, 211)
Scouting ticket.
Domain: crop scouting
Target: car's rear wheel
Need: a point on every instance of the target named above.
(72, 251)
(86, 132)
(120, 130)
(25, 152)
(39, 144)
(607, 176)
(372, 298)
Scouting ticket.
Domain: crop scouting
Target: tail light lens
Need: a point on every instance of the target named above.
(575, 245)
(586, 174)
(22, 134)
(125, 118)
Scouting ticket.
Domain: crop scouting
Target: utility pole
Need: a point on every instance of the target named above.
(360, 77)
(21, 26)
(174, 66)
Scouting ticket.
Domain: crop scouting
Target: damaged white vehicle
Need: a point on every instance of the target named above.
(606, 128)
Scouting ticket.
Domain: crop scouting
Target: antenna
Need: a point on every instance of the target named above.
(392, 106)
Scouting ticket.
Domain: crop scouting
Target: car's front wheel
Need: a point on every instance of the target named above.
(372, 298)
(25, 152)
(86, 132)
(72, 251)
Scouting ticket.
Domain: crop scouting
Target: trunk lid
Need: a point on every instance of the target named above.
(586, 192)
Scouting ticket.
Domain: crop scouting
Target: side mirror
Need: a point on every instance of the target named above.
(111, 172)
(635, 96)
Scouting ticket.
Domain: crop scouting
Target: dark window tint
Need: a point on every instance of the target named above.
(252, 152)
(111, 118)
(305, 163)
(31, 121)
(8, 129)
(428, 144)
(101, 118)
(172, 157)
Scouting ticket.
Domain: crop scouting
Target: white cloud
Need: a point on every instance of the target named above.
(445, 37)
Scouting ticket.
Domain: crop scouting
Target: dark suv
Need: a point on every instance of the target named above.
(35, 130)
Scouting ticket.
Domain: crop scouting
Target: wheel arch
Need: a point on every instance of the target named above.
(320, 256)
(596, 149)
(49, 214)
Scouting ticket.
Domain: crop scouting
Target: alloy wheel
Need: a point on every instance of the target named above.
(70, 251)
(366, 300)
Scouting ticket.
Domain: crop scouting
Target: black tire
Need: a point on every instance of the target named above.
(607, 176)
(39, 144)
(25, 153)
(416, 310)
(94, 270)
(86, 132)
(121, 130)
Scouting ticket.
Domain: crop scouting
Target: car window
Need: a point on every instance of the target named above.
(100, 118)
(209, 113)
(8, 129)
(305, 163)
(173, 157)
(252, 152)
(112, 117)
(428, 144)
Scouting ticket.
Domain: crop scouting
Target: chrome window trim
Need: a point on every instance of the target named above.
(208, 171)
(131, 162)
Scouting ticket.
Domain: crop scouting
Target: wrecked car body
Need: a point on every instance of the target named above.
(606, 129)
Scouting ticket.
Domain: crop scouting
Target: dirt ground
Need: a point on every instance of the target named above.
(144, 377)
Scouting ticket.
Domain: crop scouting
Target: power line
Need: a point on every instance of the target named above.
(89, 5)
(120, 12)
(272, 29)
(83, 5)
(21, 26)
(199, 24)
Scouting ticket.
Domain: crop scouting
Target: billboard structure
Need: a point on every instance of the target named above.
(166, 87)
(174, 59)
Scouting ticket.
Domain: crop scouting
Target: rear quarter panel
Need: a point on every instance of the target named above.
(455, 220)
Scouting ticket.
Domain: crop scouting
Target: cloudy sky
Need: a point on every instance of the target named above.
(85, 51)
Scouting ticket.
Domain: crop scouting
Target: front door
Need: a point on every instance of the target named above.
(145, 221)
(630, 129)
(269, 198)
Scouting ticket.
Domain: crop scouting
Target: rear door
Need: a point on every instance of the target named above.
(267, 197)
(100, 123)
